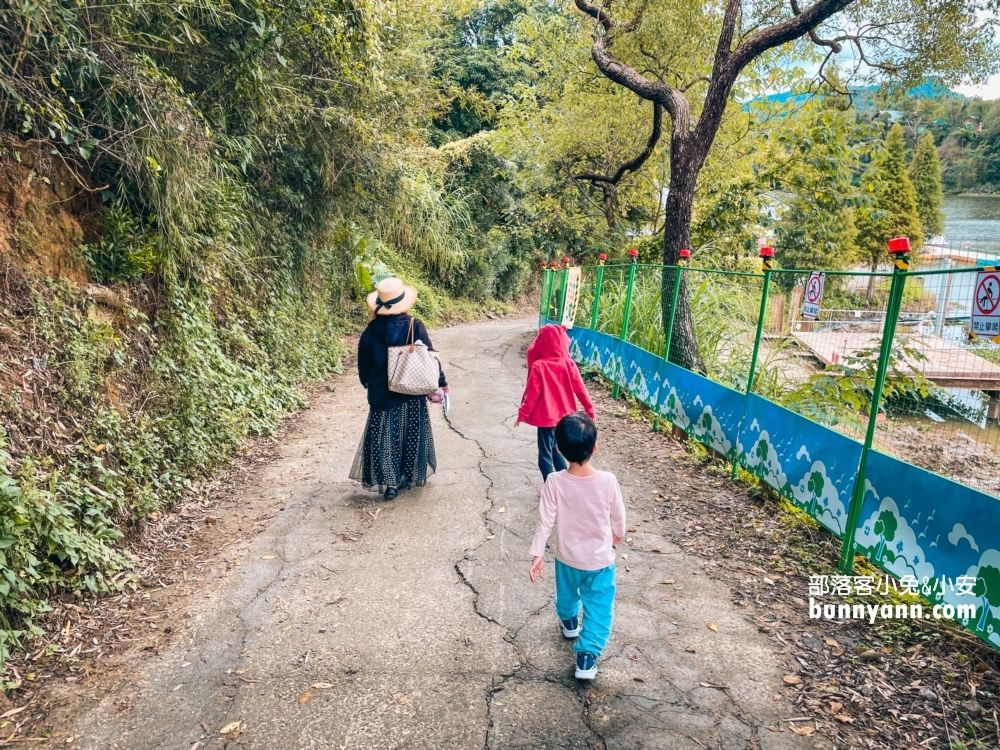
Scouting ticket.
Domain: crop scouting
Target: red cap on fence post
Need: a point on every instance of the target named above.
(602, 258)
(767, 257)
(565, 261)
(685, 256)
(552, 264)
(899, 245)
(899, 249)
(633, 253)
(545, 264)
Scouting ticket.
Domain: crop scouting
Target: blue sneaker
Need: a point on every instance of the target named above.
(586, 666)
(571, 627)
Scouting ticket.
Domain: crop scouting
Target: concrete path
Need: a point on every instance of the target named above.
(354, 623)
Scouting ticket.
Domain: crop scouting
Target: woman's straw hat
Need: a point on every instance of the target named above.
(391, 297)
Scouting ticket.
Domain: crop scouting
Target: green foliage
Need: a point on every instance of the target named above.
(260, 168)
(816, 229)
(925, 174)
(843, 393)
(126, 249)
(892, 207)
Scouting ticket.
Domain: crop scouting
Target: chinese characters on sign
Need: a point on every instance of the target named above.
(813, 297)
(985, 304)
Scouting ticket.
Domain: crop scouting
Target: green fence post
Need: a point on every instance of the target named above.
(552, 286)
(562, 289)
(685, 256)
(767, 262)
(601, 259)
(899, 249)
(541, 297)
(634, 257)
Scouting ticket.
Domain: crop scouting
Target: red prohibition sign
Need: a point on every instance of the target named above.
(988, 294)
(813, 290)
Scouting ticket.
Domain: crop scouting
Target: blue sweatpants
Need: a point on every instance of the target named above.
(596, 590)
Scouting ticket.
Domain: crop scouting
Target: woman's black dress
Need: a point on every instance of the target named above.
(398, 445)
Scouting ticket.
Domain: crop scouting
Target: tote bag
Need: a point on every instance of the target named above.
(413, 368)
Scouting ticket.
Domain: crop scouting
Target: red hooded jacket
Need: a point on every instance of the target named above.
(553, 381)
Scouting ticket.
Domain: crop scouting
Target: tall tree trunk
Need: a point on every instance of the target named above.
(690, 144)
(684, 166)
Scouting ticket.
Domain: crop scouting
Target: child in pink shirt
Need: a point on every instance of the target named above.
(587, 509)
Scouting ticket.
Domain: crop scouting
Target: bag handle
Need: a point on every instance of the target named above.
(410, 342)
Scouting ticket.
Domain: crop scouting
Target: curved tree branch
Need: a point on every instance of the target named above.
(636, 162)
(667, 97)
(729, 64)
(833, 44)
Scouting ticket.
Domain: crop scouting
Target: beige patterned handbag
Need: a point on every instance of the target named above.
(413, 368)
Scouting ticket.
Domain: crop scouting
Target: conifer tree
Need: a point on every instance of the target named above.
(925, 174)
(892, 210)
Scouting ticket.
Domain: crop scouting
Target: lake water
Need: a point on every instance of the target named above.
(972, 218)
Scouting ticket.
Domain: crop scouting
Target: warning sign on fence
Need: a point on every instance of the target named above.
(813, 297)
(572, 298)
(986, 304)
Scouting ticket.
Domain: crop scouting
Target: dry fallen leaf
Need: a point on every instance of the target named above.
(322, 685)
(844, 719)
(269, 557)
(230, 728)
(792, 679)
(713, 627)
(502, 510)
(690, 649)
(308, 695)
(14, 711)
(835, 706)
(668, 581)
(714, 685)
(805, 730)
(624, 557)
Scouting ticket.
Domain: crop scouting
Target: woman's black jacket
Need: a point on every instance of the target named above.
(373, 357)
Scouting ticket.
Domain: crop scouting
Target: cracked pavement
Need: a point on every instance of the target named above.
(416, 618)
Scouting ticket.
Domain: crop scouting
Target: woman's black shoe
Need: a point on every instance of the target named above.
(404, 484)
(391, 493)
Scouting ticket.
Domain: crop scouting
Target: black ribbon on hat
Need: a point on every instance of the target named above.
(388, 305)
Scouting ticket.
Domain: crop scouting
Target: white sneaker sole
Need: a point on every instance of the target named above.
(570, 633)
(586, 674)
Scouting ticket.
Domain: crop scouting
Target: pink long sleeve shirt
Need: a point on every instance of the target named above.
(586, 512)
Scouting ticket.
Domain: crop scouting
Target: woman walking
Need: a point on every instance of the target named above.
(397, 450)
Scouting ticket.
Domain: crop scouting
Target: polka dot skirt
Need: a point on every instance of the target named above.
(397, 443)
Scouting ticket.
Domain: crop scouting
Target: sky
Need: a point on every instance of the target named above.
(989, 90)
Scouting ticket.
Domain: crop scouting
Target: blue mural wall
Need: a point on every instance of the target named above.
(704, 409)
(922, 525)
(914, 524)
(807, 463)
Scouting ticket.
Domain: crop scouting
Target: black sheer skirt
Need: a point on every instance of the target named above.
(397, 444)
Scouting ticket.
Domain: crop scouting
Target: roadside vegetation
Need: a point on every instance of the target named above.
(197, 196)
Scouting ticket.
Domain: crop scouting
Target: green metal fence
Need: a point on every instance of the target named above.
(888, 360)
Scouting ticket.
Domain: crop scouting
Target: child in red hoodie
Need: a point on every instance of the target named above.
(554, 384)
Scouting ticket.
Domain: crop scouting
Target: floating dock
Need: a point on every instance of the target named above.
(947, 364)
